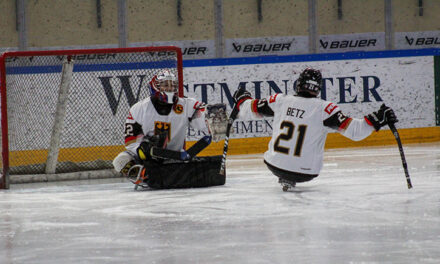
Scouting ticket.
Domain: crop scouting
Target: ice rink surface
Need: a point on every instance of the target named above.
(358, 210)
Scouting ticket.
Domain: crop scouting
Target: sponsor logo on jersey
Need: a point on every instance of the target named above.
(178, 109)
(330, 107)
(162, 127)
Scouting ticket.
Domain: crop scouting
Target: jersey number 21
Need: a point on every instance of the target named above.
(288, 136)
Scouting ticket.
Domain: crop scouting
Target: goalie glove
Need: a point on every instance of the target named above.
(154, 147)
(217, 121)
(385, 115)
(145, 149)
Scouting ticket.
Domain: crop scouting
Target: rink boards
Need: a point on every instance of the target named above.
(241, 146)
(358, 82)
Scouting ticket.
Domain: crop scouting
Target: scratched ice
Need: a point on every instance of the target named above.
(358, 210)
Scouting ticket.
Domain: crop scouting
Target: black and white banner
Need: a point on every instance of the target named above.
(417, 40)
(249, 47)
(191, 49)
(352, 42)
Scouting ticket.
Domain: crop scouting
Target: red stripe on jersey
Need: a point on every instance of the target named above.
(129, 140)
(199, 106)
(345, 124)
(254, 104)
(273, 98)
(368, 121)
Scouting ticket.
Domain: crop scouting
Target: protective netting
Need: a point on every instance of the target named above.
(104, 85)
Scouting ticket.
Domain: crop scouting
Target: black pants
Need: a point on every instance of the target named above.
(290, 175)
(198, 172)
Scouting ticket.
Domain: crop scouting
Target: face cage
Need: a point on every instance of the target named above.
(167, 83)
(167, 97)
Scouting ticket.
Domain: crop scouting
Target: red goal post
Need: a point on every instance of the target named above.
(63, 111)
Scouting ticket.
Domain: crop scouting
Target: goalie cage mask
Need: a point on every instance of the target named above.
(309, 82)
(164, 87)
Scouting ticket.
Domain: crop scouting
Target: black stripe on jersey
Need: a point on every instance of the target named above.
(336, 121)
(132, 130)
(261, 106)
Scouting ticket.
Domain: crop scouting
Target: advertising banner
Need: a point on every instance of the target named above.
(357, 86)
(352, 42)
(247, 47)
(191, 49)
(417, 40)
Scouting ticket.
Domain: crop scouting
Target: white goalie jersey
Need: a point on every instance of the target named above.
(144, 119)
(300, 127)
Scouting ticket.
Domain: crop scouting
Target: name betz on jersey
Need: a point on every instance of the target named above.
(295, 112)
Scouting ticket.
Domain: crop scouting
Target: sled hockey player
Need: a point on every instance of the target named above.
(155, 132)
(300, 126)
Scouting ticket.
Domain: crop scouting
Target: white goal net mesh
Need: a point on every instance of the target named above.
(104, 84)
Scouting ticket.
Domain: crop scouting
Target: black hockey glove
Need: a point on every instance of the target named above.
(240, 96)
(157, 141)
(385, 115)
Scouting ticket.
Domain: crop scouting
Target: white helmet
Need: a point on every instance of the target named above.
(164, 87)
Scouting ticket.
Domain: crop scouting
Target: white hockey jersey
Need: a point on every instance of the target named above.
(143, 119)
(300, 127)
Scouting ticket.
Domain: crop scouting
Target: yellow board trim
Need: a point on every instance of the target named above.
(236, 146)
(334, 140)
(29, 157)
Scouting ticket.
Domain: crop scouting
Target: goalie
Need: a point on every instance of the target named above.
(155, 132)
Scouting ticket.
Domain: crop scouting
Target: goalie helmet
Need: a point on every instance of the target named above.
(309, 82)
(164, 87)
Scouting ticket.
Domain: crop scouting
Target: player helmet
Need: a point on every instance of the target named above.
(309, 82)
(164, 87)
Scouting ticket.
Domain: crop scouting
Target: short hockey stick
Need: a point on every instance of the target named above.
(231, 119)
(177, 155)
(402, 155)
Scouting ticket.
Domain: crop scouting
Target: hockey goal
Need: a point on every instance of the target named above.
(63, 112)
